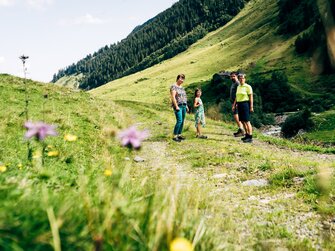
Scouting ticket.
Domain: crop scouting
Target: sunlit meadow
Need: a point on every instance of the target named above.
(81, 189)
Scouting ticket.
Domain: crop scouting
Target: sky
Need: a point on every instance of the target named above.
(57, 33)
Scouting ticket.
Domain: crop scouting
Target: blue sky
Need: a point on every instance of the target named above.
(57, 33)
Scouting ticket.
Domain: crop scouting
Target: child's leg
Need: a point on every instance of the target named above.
(198, 129)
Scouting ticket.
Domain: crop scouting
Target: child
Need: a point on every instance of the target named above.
(199, 114)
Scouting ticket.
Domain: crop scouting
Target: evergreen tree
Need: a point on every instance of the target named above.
(160, 38)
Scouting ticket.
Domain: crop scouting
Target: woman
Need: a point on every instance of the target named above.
(245, 105)
(179, 104)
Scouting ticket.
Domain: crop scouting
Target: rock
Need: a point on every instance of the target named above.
(127, 158)
(139, 159)
(265, 201)
(219, 176)
(257, 183)
(271, 130)
(280, 119)
(298, 180)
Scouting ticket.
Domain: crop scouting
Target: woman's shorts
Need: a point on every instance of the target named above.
(243, 111)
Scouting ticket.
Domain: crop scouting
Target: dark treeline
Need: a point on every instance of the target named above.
(303, 17)
(160, 38)
(271, 95)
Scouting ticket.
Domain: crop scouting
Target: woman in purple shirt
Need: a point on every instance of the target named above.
(179, 104)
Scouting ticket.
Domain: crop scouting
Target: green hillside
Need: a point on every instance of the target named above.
(248, 38)
(86, 192)
(163, 36)
(91, 194)
(82, 190)
(249, 42)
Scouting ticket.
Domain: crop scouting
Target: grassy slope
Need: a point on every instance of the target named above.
(72, 187)
(175, 192)
(238, 217)
(249, 38)
(189, 200)
(324, 131)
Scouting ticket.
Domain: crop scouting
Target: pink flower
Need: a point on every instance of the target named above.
(132, 138)
(39, 129)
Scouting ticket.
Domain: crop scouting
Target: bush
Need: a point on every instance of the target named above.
(296, 122)
(317, 108)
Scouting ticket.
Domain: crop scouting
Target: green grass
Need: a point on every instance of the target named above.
(67, 202)
(250, 39)
(191, 189)
(324, 128)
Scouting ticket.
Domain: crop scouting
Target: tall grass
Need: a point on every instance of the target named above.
(72, 202)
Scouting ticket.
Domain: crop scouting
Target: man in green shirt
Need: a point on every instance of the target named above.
(245, 105)
(233, 88)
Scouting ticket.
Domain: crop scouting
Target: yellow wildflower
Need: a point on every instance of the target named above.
(3, 168)
(181, 244)
(20, 166)
(70, 137)
(53, 153)
(108, 172)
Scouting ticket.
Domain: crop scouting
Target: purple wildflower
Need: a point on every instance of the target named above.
(39, 129)
(132, 138)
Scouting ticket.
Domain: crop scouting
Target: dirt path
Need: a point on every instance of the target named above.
(242, 216)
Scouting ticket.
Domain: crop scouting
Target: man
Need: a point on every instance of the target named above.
(233, 88)
(245, 104)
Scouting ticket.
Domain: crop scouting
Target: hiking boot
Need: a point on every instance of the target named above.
(248, 140)
(176, 139)
(239, 133)
(202, 137)
(245, 137)
(181, 137)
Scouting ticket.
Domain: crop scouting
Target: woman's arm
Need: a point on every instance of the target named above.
(174, 101)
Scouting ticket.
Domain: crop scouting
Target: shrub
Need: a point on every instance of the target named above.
(285, 177)
(296, 122)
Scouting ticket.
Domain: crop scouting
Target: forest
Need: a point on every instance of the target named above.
(160, 38)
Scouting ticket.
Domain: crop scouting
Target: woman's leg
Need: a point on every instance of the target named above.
(183, 115)
(179, 121)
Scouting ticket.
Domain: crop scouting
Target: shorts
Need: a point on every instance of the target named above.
(243, 111)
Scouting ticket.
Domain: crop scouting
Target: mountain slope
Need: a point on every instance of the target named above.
(249, 40)
(161, 37)
(92, 195)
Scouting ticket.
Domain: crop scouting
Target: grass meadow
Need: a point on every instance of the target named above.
(88, 193)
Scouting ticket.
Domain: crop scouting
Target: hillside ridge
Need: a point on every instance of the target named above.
(183, 188)
(162, 37)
